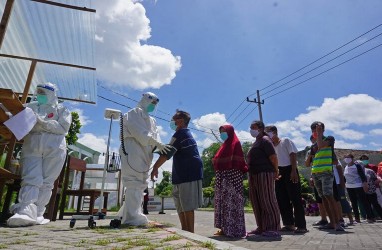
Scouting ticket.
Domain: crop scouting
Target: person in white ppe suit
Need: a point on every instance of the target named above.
(42, 157)
(140, 138)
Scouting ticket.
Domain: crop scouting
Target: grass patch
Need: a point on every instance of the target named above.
(153, 229)
(3, 246)
(168, 248)
(102, 242)
(209, 245)
(138, 242)
(81, 243)
(171, 238)
(17, 242)
(30, 233)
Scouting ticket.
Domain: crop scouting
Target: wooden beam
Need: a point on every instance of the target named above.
(5, 19)
(64, 5)
(29, 81)
(46, 61)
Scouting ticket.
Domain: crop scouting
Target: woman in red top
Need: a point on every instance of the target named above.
(229, 165)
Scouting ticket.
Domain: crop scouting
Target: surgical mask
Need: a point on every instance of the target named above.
(173, 125)
(348, 160)
(270, 134)
(223, 136)
(42, 99)
(254, 132)
(150, 108)
(366, 162)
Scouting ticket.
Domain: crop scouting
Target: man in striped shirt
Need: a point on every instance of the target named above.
(322, 173)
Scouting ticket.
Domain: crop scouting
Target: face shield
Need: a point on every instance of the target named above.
(46, 94)
(148, 102)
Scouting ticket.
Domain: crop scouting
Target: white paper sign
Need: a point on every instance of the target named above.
(22, 123)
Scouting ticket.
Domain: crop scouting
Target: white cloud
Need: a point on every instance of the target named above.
(97, 143)
(205, 143)
(162, 132)
(122, 59)
(83, 118)
(210, 121)
(339, 116)
(244, 136)
(377, 131)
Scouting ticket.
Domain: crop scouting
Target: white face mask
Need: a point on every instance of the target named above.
(270, 134)
(254, 133)
(348, 160)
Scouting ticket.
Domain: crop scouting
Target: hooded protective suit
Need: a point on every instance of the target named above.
(140, 137)
(42, 157)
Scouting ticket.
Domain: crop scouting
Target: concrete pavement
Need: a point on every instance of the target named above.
(360, 236)
(166, 234)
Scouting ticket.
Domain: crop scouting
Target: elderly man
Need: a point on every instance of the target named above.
(42, 157)
(139, 137)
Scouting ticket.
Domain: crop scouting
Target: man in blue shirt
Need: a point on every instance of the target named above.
(187, 171)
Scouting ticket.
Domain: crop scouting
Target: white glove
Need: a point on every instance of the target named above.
(162, 148)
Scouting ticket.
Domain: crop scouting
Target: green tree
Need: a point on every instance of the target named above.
(164, 188)
(71, 137)
(208, 168)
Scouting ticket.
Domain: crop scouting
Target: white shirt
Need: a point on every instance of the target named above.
(353, 180)
(283, 151)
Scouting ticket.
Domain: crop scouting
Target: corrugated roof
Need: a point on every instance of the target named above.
(50, 34)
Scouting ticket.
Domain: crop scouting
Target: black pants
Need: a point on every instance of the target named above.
(288, 196)
(356, 194)
(372, 198)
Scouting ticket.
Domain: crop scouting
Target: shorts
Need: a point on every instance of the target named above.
(324, 183)
(336, 193)
(188, 196)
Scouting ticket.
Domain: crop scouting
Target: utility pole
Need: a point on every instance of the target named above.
(258, 104)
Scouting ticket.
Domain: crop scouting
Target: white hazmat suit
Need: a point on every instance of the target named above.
(140, 137)
(42, 157)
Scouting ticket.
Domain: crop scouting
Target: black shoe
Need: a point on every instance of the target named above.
(320, 223)
(145, 212)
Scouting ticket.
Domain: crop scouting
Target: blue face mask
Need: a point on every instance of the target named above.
(223, 136)
(366, 162)
(173, 125)
(42, 99)
(150, 108)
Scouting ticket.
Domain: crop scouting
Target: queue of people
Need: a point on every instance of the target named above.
(271, 165)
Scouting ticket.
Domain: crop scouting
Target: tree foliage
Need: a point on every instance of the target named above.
(164, 188)
(71, 137)
(208, 168)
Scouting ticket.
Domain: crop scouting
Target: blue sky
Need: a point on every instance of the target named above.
(207, 56)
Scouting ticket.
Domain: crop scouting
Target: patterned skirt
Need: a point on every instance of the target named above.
(229, 203)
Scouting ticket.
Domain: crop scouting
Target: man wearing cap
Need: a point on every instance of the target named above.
(140, 137)
(42, 157)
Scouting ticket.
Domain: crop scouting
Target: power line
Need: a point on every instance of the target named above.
(246, 115)
(240, 113)
(269, 91)
(159, 118)
(325, 71)
(236, 109)
(331, 52)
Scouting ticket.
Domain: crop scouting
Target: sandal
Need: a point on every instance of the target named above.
(271, 234)
(301, 231)
(219, 233)
(256, 231)
(287, 229)
(324, 227)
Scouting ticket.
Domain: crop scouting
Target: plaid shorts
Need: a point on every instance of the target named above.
(324, 183)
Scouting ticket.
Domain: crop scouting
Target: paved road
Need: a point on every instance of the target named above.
(360, 236)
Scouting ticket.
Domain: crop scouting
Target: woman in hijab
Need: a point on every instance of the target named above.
(229, 165)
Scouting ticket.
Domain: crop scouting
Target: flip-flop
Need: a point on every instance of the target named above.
(219, 233)
(301, 231)
(271, 234)
(256, 231)
(287, 229)
(325, 227)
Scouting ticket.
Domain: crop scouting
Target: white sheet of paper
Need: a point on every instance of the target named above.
(22, 123)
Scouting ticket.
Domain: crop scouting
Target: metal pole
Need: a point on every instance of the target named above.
(104, 168)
